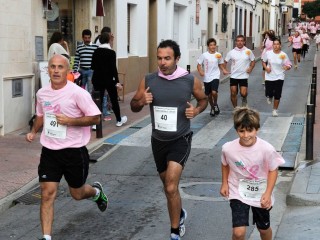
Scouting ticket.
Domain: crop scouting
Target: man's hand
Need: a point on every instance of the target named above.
(147, 97)
(268, 69)
(30, 136)
(62, 119)
(191, 111)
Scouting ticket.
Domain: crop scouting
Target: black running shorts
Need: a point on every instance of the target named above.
(176, 150)
(72, 163)
(240, 82)
(240, 215)
(211, 86)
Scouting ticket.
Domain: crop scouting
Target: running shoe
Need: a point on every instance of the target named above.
(182, 227)
(106, 118)
(269, 100)
(102, 199)
(274, 113)
(295, 66)
(174, 237)
(244, 102)
(216, 110)
(94, 127)
(212, 113)
(124, 119)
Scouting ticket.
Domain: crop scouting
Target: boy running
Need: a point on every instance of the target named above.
(212, 63)
(249, 173)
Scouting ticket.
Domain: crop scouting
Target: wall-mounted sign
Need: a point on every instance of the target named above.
(284, 9)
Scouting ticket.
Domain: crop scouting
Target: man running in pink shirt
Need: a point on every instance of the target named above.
(66, 112)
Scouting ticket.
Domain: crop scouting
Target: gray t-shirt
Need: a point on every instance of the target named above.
(167, 110)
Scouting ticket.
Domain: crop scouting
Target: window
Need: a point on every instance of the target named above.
(224, 20)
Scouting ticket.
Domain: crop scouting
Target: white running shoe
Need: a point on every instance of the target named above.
(124, 119)
(174, 237)
(274, 113)
(182, 227)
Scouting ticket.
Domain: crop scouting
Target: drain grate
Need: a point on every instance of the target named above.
(297, 123)
(31, 198)
(136, 127)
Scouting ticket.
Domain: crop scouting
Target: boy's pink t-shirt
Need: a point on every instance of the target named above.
(296, 42)
(251, 163)
(72, 101)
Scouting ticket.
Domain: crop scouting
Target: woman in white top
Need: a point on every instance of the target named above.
(58, 46)
(275, 62)
(317, 38)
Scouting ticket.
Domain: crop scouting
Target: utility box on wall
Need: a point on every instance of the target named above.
(18, 98)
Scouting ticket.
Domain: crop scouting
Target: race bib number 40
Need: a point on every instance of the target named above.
(252, 189)
(52, 128)
(165, 118)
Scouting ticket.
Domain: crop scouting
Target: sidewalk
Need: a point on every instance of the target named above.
(303, 200)
(19, 160)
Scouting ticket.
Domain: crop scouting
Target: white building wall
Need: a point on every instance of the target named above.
(20, 21)
(138, 28)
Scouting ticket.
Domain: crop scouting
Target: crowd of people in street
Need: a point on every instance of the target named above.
(249, 164)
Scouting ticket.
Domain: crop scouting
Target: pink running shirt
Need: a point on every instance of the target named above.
(249, 163)
(73, 101)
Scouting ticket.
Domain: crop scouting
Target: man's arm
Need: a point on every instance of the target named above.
(252, 64)
(202, 100)
(141, 98)
(80, 121)
(38, 123)
(200, 71)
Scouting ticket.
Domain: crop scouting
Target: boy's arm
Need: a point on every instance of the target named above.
(224, 190)
(271, 182)
(200, 71)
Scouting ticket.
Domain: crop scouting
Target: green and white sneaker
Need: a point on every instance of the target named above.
(102, 199)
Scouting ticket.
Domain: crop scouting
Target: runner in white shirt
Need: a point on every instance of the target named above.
(242, 63)
(212, 63)
(275, 62)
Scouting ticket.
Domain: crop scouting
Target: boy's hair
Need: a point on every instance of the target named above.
(247, 118)
(86, 32)
(210, 40)
(171, 44)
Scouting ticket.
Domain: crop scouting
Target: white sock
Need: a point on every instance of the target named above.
(47, 237)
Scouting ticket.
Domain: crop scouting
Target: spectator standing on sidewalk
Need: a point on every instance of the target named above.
(249, 174)
(242, 64)
(105, 75)
(168, 93)
(65, 111)
(83, 58)
(107, 30)
(289, 25)
(58, 46)
(276, 62)
(212, 62)
(296, 43)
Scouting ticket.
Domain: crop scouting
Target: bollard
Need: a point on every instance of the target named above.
(313, 94)
(309, 133)
(188, 68)
(314, 80)
(97, 100)
(314, 70)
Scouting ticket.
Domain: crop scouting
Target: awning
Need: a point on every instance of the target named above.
(99, 9)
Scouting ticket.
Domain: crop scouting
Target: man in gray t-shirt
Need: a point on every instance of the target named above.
(168, 93)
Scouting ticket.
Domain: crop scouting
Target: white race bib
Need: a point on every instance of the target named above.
(252, 189)
(52, 128)
(165, 118)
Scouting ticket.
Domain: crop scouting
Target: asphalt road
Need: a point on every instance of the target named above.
(137, 202)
